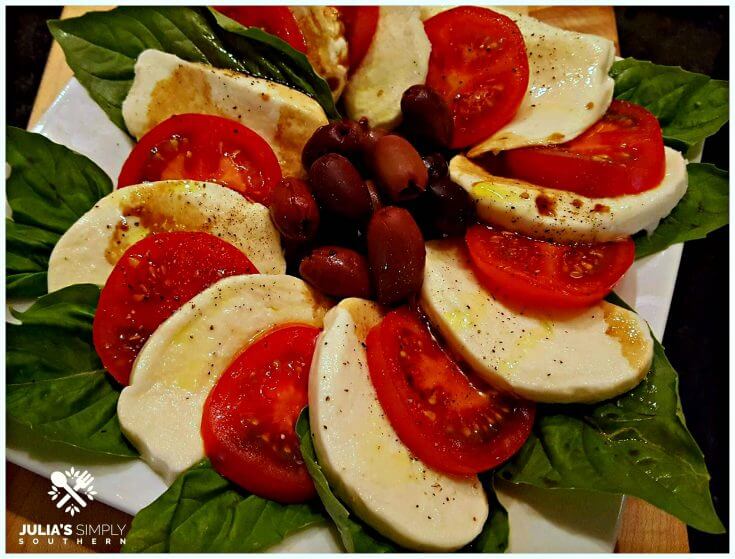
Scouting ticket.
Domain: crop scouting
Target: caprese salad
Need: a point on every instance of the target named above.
(429, 275)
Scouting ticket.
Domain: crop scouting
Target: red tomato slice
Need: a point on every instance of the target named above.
(206, 148)
(360, 24)
(451, 423)
(249, 419)
(479, 66)
(152, 279)
(276, 20)
(622, 153)
(540, 274)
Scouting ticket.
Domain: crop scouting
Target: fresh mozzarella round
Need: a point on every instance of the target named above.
(569, 88)
(160, 411)
(326, 46)
(91, 247)
(564, 216)
(166, 85)
(582, 356)
(362, 457)
(397, 58)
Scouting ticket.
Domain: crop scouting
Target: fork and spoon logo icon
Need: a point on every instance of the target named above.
(72, 485)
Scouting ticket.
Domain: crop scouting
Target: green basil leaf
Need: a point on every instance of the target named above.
(636, 444)
(27, 250)
(495, 534)
(703, 209)
(56, 385)
(203, 512)
(356, 536)
(102, 47)
(267, 56)
(689, 106)
(49, 188)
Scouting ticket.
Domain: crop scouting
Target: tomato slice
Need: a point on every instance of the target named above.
(276, 20)
(451, 423)
(360, 24)
(622, 153)
(249, 419)
(206, 148)
(540, 274)
(478, 64)
(152, 279)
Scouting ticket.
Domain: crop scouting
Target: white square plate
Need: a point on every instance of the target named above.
(540, 520)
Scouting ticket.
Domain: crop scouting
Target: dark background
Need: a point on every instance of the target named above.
(696, 337)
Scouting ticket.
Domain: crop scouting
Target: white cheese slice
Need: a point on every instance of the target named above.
(397, 58)
(160, 411)
(560, 215)
(362, 457)
(166, 85)
(585, 355)
(90, 248)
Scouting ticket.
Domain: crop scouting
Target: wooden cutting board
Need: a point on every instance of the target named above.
(644, 528)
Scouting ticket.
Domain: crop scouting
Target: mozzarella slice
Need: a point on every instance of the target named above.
(560, 215)
(361, 455)
(569, 88)
(166, 85)
(326, 46)
(160, 411)
(397, 59)
(91, 247)
(582, 356)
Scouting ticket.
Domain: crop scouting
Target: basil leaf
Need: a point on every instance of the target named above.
(636, 444)
(356, 536)
(49, 188)
(689, 106)
(203, 512)
(102, 47)
(56, 385)
(703, 209)
(26, 259)
(267, 56)
(495, 533)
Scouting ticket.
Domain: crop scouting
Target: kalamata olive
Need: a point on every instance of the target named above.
(339, 188)
(294, 211)
(396, 254)
(436, 165)
(369, 136)
(446, 208)
(398, 167)
(345, 137)
(426, 115)
(337, 272)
